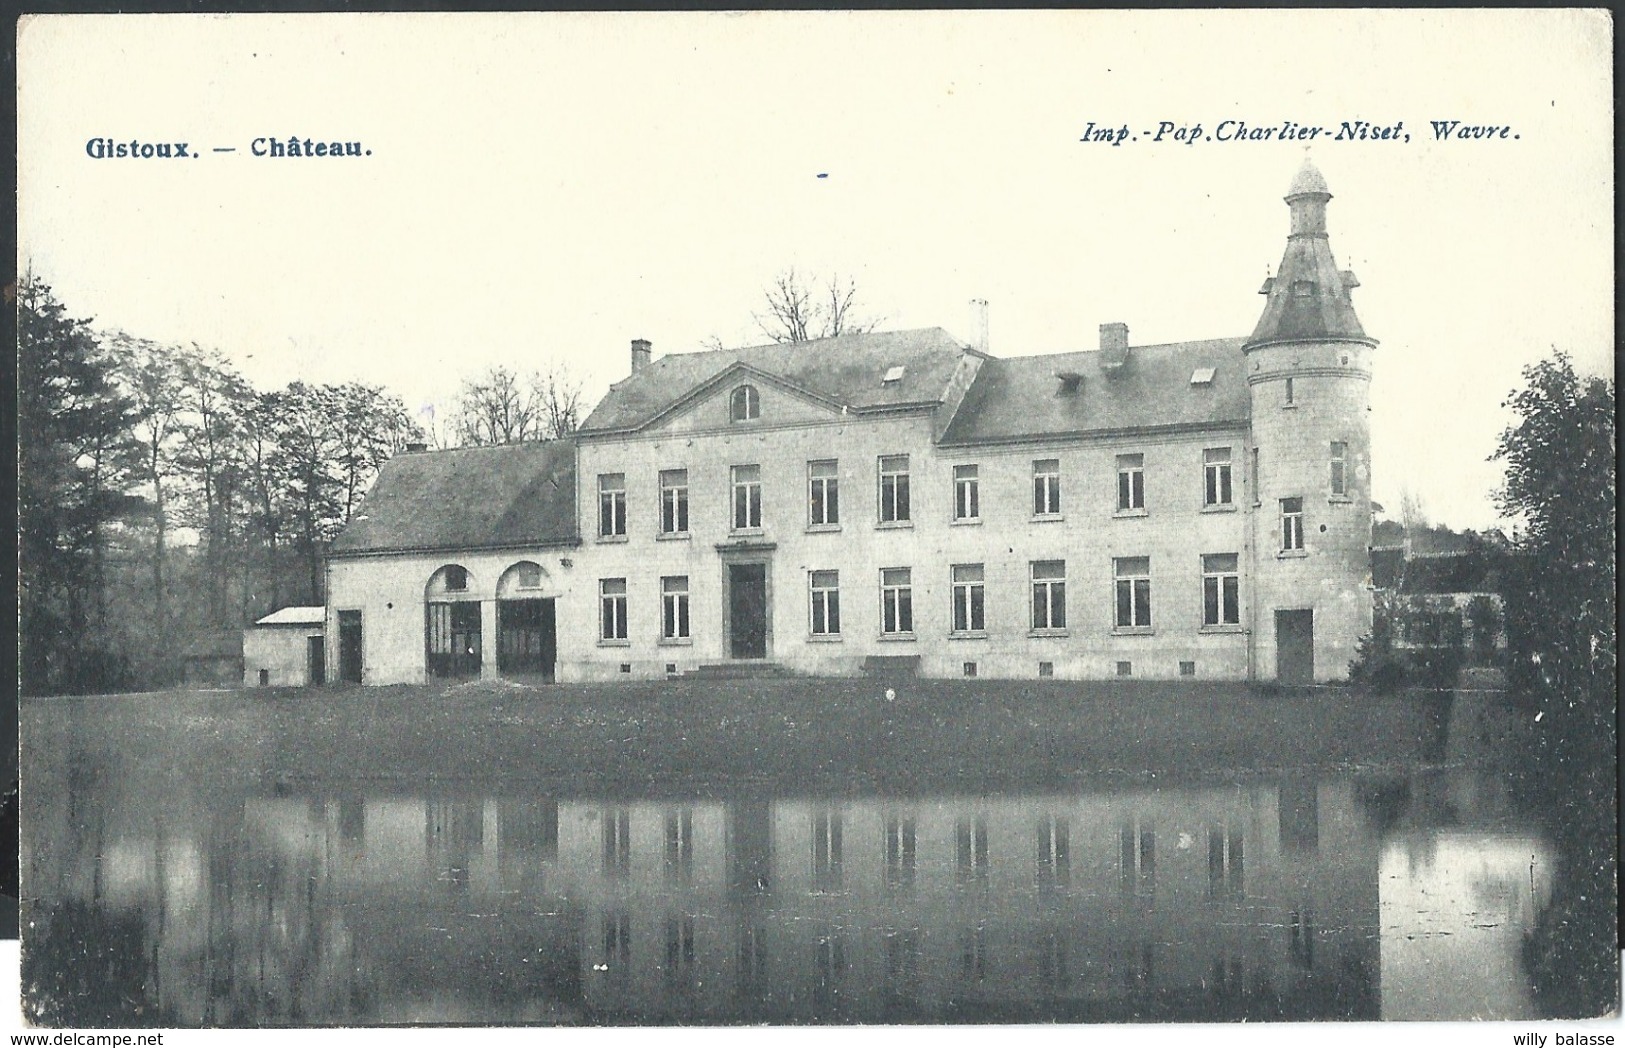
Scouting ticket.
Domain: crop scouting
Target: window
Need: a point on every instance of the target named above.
(456, 578)
(968, 599)
(894, 489)
(612, 505)
(1130, 482)
(680, 845)
(1256, 489)
(747, 485)
(1221, 590)
(1291, 524)
(1049, 594)
(970, 849)
(1047, 488)
(1340, 454)
(826, 603)
(1054, 851)
(612, 599)
(674, 607)
(826, 851)
(896, 601)
(528, 576)
(745, 404)
(1216, 477)
(823, 494)
(967, 501)
(893, 374)
(1046, 669)
(973, 953)
(617, 841)
(1225, 868)
(674, 501)
(617, 929)
(1133, 592)
(900, 850)
(679, 949)
(1290, 399)
(1137, 858)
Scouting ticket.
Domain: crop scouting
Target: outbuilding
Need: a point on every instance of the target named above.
(286, 649)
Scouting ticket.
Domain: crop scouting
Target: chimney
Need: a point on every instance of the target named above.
(1113, 345)
(978, 324)
(640, 354)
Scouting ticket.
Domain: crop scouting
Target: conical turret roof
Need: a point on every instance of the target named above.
(1309, 297)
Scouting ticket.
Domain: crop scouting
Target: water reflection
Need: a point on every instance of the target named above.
(1338, 896)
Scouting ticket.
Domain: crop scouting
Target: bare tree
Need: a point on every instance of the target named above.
(496, 408)
(559, 394)
(799, 308)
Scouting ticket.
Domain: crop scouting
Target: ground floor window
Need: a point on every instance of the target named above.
(1133, 591)
(1221, 590)
(826, 603)
(674, 607)
(1049, 594)
(969, 602)
(896, 601)
(612, 602)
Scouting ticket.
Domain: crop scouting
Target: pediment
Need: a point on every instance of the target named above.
(777, 402)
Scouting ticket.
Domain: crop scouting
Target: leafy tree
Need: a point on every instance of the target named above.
(213, 459)
(1560, 487)
(797, 308)
(74, 459)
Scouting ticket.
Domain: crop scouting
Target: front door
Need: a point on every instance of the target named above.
(317, 655)
(747, 611)
(350, 646)
(1295, 647)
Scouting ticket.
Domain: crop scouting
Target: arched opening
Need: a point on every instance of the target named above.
(451, 624)
(527, 640)
(745, 405)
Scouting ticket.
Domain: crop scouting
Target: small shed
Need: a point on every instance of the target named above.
(286, 649)
(212, 659)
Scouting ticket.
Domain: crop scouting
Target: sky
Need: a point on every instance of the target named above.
(542, 189)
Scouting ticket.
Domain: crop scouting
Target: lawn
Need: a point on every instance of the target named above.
(799, 736)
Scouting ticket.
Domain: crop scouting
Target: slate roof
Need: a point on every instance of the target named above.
(1309, 297)
(296, 616)
(1022, 397)
(468, 498)
(844, 370)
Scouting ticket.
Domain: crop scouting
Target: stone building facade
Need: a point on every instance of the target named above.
(903, 501)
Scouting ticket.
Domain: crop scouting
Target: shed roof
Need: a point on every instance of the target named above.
(296, 616)
(845, 370)
(468, 498)
(1076, 393)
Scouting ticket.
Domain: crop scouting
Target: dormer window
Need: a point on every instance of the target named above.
(1303, 288)
(1070, 381)
(1202, 377)
(894, 374)
(746, 404)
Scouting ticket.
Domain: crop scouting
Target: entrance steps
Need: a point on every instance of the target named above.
(738, 671)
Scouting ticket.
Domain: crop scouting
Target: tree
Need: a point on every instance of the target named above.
(1560, 486)
(501, 407)
(74, 461)
(213, 460)
(799, 309)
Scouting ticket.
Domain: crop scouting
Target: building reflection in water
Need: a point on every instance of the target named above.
(1275, 898)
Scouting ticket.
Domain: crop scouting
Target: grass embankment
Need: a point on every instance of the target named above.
(833, 736)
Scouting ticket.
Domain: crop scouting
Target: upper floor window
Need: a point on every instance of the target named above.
(1046, 487)
(1291, 397)
(747, 494)
(745, 405)
(673, 501)
(612, 505)
(823, 493)
(896, 601)
(1216, 477)
(1049, 594)
(1133, 592)
(1291, 524)
(1130, 482)
(1221, 590)
(969, 602)
(967, 495)
(1340, 455)
(894, 489)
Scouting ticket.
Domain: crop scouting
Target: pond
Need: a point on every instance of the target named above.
(163, 894)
